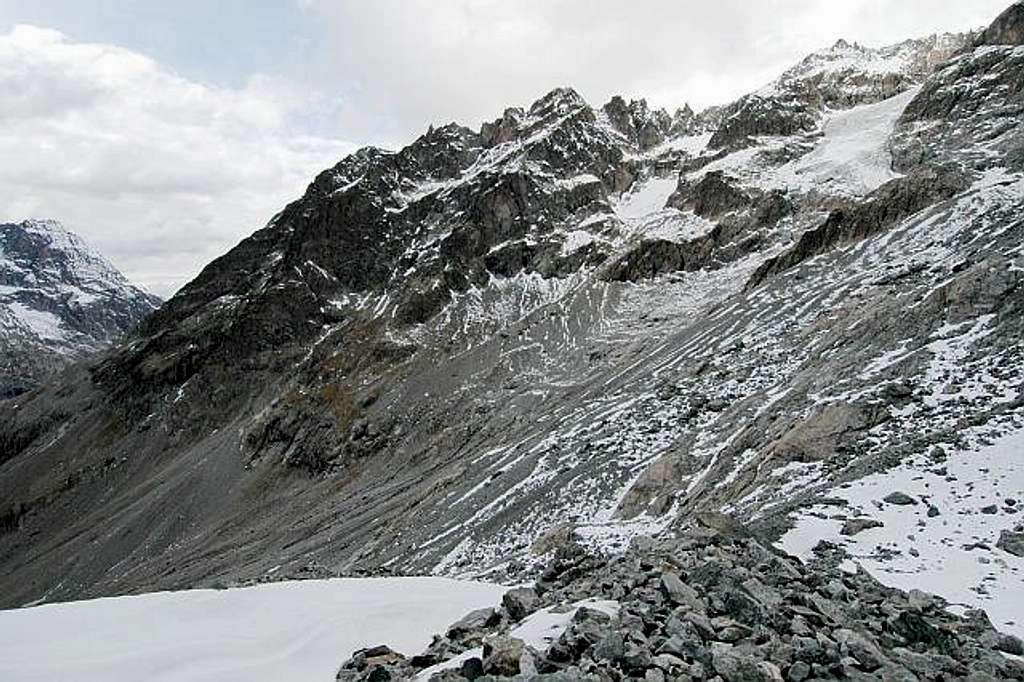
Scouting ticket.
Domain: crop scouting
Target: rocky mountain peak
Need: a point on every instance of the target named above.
(59, 299)
(558, 102)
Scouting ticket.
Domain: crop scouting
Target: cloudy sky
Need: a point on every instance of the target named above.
(164, 132)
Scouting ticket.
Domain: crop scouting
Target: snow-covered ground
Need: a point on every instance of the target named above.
(300, 630)
(974, 495)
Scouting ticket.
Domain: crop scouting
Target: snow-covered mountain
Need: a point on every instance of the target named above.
(584, 320)
(59, 300)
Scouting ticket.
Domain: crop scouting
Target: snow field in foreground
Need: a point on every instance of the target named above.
(300, 630)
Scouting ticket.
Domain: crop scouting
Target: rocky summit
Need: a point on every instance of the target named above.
(595, 322)
(60, 300)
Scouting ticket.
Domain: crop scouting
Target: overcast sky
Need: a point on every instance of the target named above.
(165, 132)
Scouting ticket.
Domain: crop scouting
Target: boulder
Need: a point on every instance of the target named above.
(503, 656)
(854, 526)
(1011, 542)
(678, 592)
(899, 498)
(520, 602)
(1007, 29)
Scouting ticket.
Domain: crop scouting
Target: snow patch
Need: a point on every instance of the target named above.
(300, 630)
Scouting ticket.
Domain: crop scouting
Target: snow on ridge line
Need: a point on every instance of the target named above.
(297, 630)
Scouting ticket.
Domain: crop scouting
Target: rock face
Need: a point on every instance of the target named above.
(1007, 29)
(59, 301)
(612, 319)
(763, 616)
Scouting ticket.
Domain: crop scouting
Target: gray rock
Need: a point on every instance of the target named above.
(868, 655)
(520, 602)
(474, 622)
(611, 647)
(680, 593)
(854, 526)
(734, 667)
(503, 656)
(1011, 542)
(899, 498)
(798, 672)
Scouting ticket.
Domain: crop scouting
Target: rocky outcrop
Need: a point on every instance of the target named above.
(1007, 29)
(716, 605)
(712, 196)
(890, 203)
(758, 115)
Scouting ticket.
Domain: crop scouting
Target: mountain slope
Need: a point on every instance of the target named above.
(59, 300)
(443, 358)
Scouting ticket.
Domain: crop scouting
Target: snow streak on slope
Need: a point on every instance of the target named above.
(945, 541)
(282, 631)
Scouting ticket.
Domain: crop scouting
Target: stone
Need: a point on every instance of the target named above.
(920, 600)
(1009, 644)
(899, 498)
(868, 655)
(1008, 27)
(472, 668)
(679, 592)
(503, 656)
(474, 621)
(1011, 542)
(520, 602)
(798, 672)
(854, 526)
(734, 667)
(611, 647)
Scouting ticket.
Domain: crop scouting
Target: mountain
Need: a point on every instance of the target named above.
(583, 320)
(59, 301)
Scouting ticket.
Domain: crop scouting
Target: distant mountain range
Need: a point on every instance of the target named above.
(59, 301)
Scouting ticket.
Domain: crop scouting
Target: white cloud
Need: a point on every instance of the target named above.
(161, 173)
(402, 64)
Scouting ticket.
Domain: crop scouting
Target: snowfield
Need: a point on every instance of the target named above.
(300, 630)
(950, 551)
